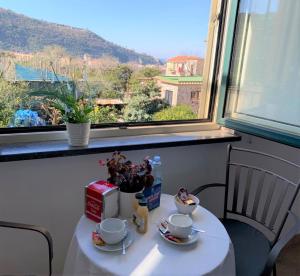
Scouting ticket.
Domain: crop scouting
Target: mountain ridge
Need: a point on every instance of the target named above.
(21, 33)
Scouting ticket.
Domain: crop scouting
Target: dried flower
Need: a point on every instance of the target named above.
(102, 162)
(128, 176)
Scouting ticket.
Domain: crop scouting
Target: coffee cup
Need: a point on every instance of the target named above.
(112, 230)
(180, 225)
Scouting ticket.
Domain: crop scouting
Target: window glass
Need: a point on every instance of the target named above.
(169, 96)
(122, 58)
(195, 96)
(264, 82)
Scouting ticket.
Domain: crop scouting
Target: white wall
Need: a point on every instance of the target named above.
(49, 192)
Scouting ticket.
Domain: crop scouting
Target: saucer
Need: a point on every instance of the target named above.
(192, 238)
(118, 246)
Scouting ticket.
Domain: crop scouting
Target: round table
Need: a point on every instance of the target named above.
(150, 254)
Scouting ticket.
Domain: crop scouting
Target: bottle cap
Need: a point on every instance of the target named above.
(139, 195)
(156, 158)
(143, 202)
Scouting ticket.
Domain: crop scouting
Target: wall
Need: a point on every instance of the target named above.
(49, 192)
(185, 68)
(169, 87)
(184, 96)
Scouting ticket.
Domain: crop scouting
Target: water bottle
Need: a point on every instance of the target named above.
(156, 170)
(152, 194)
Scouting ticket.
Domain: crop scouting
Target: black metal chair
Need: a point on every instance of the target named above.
(256, 207)
(34, 228)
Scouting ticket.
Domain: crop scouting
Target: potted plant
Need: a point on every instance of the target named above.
(75, 111)
(78, 122)
(129, 177)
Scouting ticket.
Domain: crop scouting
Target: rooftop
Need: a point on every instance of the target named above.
(183, 58)
(181, 79)
(109, 101)
(24, 73)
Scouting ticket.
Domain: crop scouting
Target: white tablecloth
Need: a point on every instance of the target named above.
(149, 254)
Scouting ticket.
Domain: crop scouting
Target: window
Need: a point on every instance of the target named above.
(264, 84)
(195, 96)
(169, 96)
(83, 54)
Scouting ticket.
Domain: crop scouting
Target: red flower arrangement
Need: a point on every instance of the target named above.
(130, 177)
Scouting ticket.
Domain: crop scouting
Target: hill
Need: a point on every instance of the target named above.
(20, 33)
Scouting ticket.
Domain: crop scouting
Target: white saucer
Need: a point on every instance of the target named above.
(118, 246)
(193, 237)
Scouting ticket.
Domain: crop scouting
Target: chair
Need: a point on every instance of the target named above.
(257, 203)
(34, 228)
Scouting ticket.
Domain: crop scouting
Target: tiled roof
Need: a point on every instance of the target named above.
(183, 58)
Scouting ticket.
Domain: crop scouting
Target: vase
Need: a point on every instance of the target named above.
(126, 204)
(78, 134)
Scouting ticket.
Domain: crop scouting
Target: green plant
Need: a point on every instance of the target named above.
(147, 72)
(143, 102)
(62, 97)
(12, 95)
(115, 82)
(103, 114)
(180, 112)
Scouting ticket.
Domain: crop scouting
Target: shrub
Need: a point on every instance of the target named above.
(180, 112)
(26, 118)
(103, 114)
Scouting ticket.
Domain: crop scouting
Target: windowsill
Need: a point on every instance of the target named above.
(27, 137)
(60, 148)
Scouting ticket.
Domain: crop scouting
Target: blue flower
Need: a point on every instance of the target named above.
(26, 118)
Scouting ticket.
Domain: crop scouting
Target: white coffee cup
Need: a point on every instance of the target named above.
(180, 225)
(112, 230)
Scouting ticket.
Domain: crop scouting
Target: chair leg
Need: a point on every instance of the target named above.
(274, 270)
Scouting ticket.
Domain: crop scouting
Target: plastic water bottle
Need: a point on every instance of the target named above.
(156, 170)
(152, 194)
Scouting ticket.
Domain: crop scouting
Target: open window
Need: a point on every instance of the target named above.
(259, 89)
(125, 87)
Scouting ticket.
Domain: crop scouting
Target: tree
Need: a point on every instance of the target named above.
(143, 102)
(54, 52)
(148, 72)
(180, 112)
(115, 81)
(12, 95)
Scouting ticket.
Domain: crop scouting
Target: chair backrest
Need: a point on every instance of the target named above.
(256, 191)
(283, 241)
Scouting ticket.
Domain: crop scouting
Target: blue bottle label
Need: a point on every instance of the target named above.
(152, 194)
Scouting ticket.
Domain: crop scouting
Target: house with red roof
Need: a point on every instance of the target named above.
(181, 84)
(184, 66)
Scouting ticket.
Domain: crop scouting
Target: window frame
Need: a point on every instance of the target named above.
(217, 10)
(277, 135)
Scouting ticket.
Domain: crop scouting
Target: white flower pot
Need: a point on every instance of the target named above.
(78, 134)
(126, 204)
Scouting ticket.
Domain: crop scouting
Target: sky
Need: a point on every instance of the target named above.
(162, 28)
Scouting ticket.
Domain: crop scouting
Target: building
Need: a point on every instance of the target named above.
(181, 84)
(181, 90)
(184, 66)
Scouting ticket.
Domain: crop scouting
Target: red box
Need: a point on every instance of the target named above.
(101, 200)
